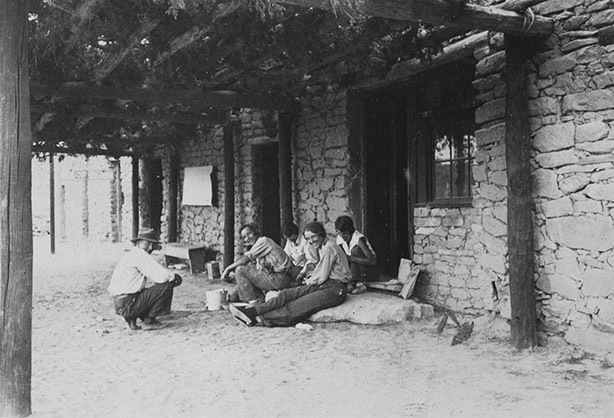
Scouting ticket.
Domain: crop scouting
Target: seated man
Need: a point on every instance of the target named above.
(359, 252)
(272, 270)
(304, 256)
(325, 288)
(142, 288)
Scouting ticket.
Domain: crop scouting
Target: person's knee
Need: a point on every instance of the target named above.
(241, 272)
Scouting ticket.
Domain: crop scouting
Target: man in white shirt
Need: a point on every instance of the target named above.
(272, 270)
(324, 288)
(140, 286)
(303, 256)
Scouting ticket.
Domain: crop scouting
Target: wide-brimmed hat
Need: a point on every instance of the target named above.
(147, 234)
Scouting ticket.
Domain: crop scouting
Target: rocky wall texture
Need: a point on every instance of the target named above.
(572, 118)
(204, 225)
(321, 161)
(571, 104)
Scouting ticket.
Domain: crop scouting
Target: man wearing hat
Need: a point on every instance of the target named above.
(141, 287)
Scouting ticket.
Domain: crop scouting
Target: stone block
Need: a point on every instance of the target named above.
(600, 191)
(556, 158)
(598, 283)
(374, 309)
(590, 101)
(590, 339)
(555, 137)
(545, 184)
(557, 208)
(581, 233)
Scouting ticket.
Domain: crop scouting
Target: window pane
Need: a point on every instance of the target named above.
(461, 178)
(442, 144)
(442, 180)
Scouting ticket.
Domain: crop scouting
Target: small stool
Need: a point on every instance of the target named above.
(194, 254)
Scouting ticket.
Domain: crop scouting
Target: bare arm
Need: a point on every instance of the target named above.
(369, 260)
(243, 260)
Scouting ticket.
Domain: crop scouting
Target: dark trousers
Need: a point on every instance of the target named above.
(295, 304)
(362, 273)
(150, 302)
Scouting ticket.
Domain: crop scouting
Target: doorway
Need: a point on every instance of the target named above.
(387, 207)
(266, 189)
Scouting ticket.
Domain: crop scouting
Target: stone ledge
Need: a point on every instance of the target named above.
(374, 309)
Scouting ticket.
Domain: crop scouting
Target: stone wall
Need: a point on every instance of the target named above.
(571, 105)
(321, 161)
(572, 110)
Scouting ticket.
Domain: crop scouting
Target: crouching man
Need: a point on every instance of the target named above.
(142, 288)
(325, 288)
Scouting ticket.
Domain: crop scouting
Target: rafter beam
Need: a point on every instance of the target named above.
(112, 61)
(451, 13)
(89, 111)
(194, 34)
(195, 97)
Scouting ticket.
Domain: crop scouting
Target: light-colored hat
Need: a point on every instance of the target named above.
(147, 234)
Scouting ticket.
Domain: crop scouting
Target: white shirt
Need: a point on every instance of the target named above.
(332, 265)
(133, 272)
(297, 251)
(356, 236)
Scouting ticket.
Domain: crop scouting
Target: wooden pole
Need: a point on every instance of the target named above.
(519, 216)
(15, 213)
(173, 184)
(285, 168)
(135, 197)
(51, 204)
(229, 195)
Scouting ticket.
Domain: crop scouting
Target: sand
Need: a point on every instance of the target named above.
(87, 363)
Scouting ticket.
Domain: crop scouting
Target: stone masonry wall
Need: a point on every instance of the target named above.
(463, 250)
(571, 105)
(204, 225)
(321, 161)
(572, 110)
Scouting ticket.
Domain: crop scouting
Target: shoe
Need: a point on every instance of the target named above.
(132, 324)
(153, 326)
(243, 315)
(359, 289)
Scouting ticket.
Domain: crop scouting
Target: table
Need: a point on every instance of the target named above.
(194, 254)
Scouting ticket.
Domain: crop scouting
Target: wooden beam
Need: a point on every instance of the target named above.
(112, 61)
(519, 202)
(136, 218)
(285, 169)
(51, 205)
(194, 34)
(453, 52)
(229, 195)
(195, 97)
(15, 214)
(91, 111)
(451, 13)
(78, 20)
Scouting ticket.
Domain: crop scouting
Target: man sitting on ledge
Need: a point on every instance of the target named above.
(142, 288)
(325, 288)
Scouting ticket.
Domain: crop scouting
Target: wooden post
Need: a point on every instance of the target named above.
(85, 214)
(15, 213)
(519, 216)
(135, 197)
(285, 169)
(62, 214)
(229, 195)
(173, 184)
(51, 205)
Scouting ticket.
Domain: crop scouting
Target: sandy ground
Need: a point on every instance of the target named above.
(86, 363)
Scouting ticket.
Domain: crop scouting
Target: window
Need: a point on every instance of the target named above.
(453, 152)
(442, 136)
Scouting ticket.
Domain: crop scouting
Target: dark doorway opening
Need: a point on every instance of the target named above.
(155, 195)
(387, 221)
(267, 189)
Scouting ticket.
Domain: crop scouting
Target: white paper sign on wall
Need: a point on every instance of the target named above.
(197, 186)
